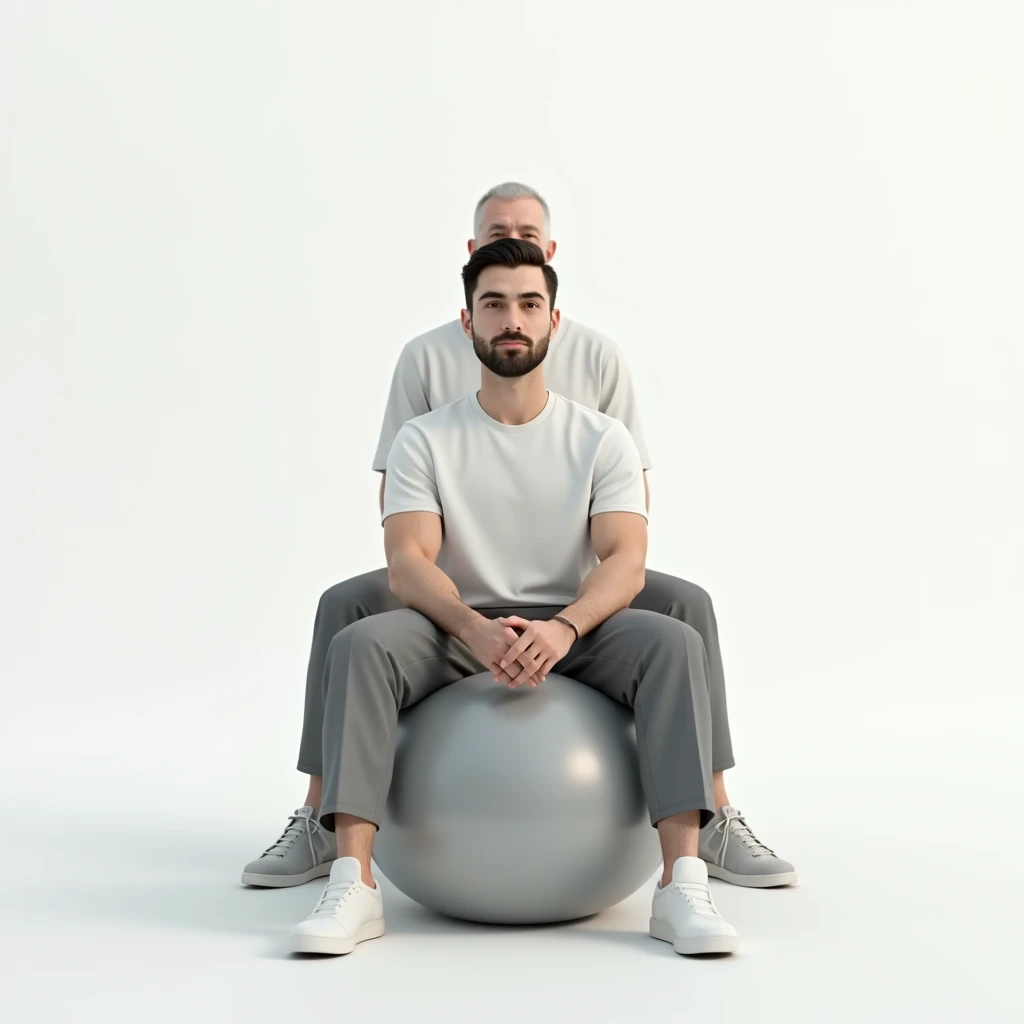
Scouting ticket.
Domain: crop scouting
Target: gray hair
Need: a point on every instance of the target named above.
(510, 190)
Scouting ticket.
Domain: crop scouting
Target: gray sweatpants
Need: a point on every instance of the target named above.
(381, 664)
(369, 594)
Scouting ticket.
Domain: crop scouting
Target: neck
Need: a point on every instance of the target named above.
(513, 400)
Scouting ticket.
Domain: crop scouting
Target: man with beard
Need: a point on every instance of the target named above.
(515, 509)
(433, 370)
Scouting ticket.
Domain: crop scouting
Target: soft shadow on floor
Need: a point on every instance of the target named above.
(632, 942)
(145, 875)
(169, 877)
(408, 919)
(198, 905)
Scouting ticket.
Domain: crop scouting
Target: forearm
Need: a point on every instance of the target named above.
(419, 584)
(607, 589)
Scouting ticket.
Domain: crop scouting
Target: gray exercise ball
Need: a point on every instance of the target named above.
(517, 806)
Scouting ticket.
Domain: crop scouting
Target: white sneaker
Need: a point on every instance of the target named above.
(685, 914)
(348, 912)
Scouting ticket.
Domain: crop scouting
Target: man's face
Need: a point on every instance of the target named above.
(513, 218)
(511, 320)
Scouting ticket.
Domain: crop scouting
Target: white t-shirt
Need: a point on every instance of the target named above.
(516, 501)
(440, 366)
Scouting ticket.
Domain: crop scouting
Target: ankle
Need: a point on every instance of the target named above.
(721, 797)
(314, 794)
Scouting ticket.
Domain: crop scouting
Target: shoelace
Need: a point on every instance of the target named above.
(698, 895)
(734, 824)
(291, 833)
(334, 893)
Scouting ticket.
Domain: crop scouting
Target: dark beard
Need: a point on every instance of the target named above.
(511, 362)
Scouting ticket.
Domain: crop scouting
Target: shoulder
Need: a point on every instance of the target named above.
(444, 338)
(586, 418)
(607, 437)
(573, 333)
(438, 420)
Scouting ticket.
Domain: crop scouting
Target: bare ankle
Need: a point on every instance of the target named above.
(314, 794)
(355, 839)
(721, 796)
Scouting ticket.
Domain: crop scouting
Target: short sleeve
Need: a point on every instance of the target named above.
(406, 400)
(618, 484)
(618, 399)
(411, 484)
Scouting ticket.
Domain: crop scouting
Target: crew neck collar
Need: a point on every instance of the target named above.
(513, 428)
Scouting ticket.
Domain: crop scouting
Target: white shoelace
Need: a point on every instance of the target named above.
(734, 824)
(334, 893)
(698, 896)
(297, 825)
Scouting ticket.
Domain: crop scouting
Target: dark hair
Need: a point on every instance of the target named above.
(507, 252)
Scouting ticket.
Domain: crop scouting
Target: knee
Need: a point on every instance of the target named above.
(665, 632)
(332, 601)
(354, 599)
(357, 636)
(700, 596)
(676, 638)
(690, 637)
(691, 603)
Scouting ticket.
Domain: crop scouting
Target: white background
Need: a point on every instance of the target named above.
(219, 223)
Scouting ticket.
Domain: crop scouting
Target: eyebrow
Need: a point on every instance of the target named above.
(503, 227)
(502, 295)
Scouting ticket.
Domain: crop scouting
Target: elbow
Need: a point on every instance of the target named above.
(395, 581)
(395, 585)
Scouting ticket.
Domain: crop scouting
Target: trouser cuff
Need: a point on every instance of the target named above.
(700, 803)
(328, 811)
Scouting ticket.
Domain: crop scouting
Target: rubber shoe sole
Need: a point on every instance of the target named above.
(337, 946)
(751, 881)
(693, 946)
(283, 881)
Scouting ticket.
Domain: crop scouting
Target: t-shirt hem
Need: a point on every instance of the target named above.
(618, 508)
(389, 512)
(490, 603)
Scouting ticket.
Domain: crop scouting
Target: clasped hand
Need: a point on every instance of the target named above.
(519, 659)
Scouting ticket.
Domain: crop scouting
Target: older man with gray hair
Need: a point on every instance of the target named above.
(433, 370)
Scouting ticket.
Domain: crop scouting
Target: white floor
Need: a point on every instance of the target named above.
(122, 899)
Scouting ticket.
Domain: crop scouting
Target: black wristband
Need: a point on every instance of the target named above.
(566, 622)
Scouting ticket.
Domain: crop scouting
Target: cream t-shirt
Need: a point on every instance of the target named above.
(515, 501)
(440, 366)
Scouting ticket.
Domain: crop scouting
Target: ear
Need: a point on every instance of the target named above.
(556, 319)
(549, 252)
(467, 323)
(471, 246)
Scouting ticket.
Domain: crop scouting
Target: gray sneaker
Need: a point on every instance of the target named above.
(304, 851)
(733, 853)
